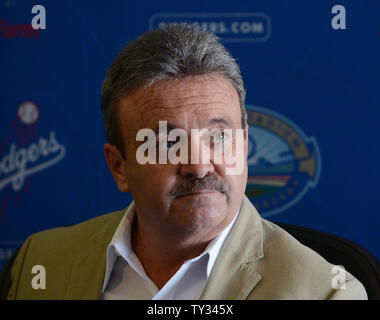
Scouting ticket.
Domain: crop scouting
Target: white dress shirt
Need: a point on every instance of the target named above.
(125, 276)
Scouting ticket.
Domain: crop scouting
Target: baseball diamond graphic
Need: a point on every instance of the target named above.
(283, 163)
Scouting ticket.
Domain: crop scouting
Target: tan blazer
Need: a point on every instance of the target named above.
(259, 260)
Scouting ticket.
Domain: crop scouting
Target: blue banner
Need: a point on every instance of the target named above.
(312, 75)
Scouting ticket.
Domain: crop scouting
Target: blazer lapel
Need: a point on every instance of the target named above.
(89, 267)
(234, 275)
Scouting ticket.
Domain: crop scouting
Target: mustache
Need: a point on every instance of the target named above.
(211, 182)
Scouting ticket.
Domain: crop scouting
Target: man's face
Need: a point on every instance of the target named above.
(186, 198)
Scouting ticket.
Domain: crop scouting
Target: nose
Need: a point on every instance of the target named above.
(199, 163)
(196, 170)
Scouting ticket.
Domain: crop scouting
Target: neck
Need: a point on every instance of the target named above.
(163, 254)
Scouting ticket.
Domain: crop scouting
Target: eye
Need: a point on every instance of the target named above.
(217, 136)
(169, 144)
(166, 144)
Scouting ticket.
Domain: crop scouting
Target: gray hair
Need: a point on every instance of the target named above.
(175, 51)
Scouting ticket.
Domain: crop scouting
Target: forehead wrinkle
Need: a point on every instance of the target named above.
(160, 107)
(158, 92)
(152, 103)
(182, 101)
(183, 121)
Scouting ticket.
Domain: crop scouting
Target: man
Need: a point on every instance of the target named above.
(190, 233)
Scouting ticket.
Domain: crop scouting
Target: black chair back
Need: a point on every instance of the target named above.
(339, 251)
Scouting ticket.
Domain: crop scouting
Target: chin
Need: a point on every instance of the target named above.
(196, 219)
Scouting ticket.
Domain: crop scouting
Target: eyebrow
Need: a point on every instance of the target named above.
(170, 126)
(222, 121)
(226, 121)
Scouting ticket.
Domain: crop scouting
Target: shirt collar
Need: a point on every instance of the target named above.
(120, 244)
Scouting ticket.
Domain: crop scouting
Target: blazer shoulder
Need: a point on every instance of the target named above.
(56, 249)
(302, 271)
(81, 231)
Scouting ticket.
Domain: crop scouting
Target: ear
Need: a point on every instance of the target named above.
(116, 163)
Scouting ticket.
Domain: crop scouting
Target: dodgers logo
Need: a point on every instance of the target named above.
(283, 163)
(24, 153)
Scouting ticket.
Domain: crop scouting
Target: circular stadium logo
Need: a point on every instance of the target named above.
(283, 163)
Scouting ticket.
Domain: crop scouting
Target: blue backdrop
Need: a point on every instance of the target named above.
(312, 93)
